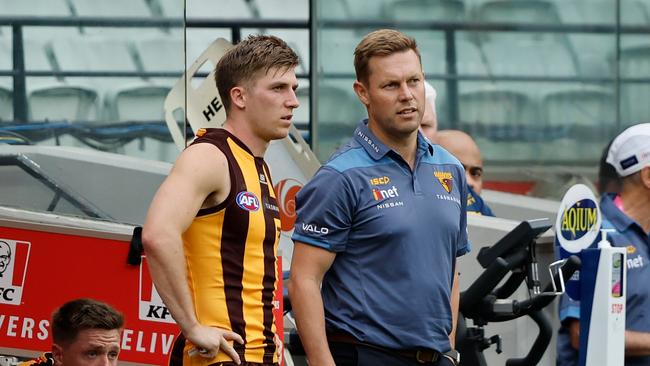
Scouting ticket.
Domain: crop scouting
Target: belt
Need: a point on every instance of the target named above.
(420, 355)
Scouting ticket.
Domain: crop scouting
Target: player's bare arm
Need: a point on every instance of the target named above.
(199, 179)
(637, 343)
(308, 266)
(455, 303)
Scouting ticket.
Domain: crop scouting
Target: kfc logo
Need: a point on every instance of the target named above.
(151, 306)
(286, 191)
(14, 257)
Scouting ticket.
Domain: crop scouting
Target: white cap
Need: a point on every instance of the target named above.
(630, 151)
(430, 94)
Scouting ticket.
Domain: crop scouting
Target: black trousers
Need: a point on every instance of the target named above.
(347, 354)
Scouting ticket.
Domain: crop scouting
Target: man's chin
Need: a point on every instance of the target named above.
(279, 134)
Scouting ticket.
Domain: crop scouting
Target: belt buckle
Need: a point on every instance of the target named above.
(426, 356)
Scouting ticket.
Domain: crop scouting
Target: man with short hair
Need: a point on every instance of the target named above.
(85, 332)
(380, 226)
(465, 149)
(212, 230)
(628, 213)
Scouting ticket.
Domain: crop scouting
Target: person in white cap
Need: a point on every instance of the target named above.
(628, 212)
(429, 124)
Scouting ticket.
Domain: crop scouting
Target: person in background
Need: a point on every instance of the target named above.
(85, 332)
(465, 149)
(628, 213)
(380, 226)
(608, 180)
(429, 124)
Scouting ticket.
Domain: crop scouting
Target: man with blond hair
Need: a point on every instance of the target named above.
(380, 226)
(212, 230)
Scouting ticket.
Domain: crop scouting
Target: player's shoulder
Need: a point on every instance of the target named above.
(349, 157)
(201, 154)
(442, 157)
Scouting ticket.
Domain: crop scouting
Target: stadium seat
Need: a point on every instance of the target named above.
(161, 54)
(497, 116)
(200, 38)
(339, 110)
(529, 58)
(593, 50)
(433, 51)
(525, 12)
(109, 54)
(172, 8)
(39, 8)
(115, 9)
(635, 63)
(425, 10)
(222, 9)
(503, 115)
(282, 9)
(298, 40)
(577, 119)
(35, 8)
(333, 9)
(49, 98)
(336, 50)
(365, 9)
(6, 83)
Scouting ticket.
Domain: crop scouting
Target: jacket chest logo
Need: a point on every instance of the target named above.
(446, 180)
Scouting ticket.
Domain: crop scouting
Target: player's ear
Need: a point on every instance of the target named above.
(238, 97)
(57, 354)
(645, 177)
(362, 92)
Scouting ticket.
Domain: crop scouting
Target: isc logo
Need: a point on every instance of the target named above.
(14, 257)
(151, 306)
(248, 201)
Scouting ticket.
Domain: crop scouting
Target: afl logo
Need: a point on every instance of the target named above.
(248, 201)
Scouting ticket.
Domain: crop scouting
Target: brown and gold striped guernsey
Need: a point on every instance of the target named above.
(230, 253)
